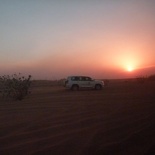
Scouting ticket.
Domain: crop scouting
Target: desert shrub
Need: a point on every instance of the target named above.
(141, 79)
(15, 86)
(151, 78)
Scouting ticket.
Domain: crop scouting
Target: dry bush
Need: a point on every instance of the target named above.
(151, 78)
(15, 87)
(141, 79)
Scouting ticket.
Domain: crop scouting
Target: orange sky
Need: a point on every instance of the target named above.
(102, 39)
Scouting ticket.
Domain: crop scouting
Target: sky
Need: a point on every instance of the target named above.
(52, 39)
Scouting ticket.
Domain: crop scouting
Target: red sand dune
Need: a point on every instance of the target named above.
(120, 120)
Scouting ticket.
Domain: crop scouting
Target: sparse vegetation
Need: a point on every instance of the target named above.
(151, 78)
(15, 87)
(141, 79)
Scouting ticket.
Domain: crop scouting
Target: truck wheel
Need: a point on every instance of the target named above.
(75, 87)
(98, 87)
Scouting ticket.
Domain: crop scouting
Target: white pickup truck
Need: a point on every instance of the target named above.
(78, 82)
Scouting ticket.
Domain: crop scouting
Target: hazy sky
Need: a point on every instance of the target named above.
(51, 39)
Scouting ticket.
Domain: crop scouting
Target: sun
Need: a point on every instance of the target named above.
(130, 69)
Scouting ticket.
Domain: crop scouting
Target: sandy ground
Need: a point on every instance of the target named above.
(120, 119)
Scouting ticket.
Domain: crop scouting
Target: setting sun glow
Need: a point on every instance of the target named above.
(130, 69)
(56, 39)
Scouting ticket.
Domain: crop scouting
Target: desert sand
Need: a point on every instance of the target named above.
(118, 120)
